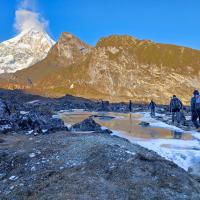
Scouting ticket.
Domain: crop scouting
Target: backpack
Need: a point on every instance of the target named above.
(152, 105)
(197, 102)
(176, 104)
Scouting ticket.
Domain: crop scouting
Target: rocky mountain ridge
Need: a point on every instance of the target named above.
(118, 68)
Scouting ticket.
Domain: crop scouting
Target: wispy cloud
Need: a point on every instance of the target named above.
(27, 17)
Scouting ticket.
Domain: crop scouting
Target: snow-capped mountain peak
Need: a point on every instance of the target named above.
(24, 50)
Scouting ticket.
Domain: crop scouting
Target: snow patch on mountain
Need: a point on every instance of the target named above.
(24, 50)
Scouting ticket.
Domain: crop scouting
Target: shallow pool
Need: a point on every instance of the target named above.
(168, 141)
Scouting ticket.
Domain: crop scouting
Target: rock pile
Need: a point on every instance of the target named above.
(89, 125)
(31, 122)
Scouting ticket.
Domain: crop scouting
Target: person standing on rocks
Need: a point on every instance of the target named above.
(195, 108)
(175, 108)
(152, 107)
(130, 107)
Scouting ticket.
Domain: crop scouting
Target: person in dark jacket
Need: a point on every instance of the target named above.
(130, 106)
(195, 111)
(175, 108)
(152, 107)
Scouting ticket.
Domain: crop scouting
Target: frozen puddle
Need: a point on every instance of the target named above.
(183, 148)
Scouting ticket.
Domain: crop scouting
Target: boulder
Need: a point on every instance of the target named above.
(144, 124)
(41, 123)
(89, 125)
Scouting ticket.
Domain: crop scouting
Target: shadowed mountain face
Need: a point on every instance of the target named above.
(118, 68)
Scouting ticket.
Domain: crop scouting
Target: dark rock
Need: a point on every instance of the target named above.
(41, 123)
(5, 126)
(144, 124)
(158, 118)
(103, 117)
(86, 125)
(38, 119)
(108, 131)
(4, 110)
(89, 125)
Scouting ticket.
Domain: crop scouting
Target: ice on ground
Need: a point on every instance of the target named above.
(129, 152)
(188, 117)
(185, 153)
(30, 132)
(103, 128)
(180, 152)
(32, 102)
(13, 178)
(33, 168)
(55, 116)
(32, 155)
(23, 112)
(44, 130)
(156, 123)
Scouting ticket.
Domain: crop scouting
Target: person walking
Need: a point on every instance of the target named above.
(175, 108)
(195, 108)
(152, 107)
(130, 108)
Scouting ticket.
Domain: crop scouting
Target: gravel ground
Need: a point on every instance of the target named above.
(66, 165)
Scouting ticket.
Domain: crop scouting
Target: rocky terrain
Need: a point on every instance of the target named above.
(118, 68)
(24, 50)
(87, 166)
(40, 158)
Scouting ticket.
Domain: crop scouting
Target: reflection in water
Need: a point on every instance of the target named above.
(128, 124)
(177, 134)
(169, 144)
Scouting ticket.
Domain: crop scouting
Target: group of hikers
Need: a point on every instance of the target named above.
(176, 106)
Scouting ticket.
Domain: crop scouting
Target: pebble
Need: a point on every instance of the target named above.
(38, 152)
(13, 178)
(32, 155)
(33, 168)
(29, 132)
(129, 152)
(12, 187)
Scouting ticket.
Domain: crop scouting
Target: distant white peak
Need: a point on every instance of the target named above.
(32, 33)
(24, 50)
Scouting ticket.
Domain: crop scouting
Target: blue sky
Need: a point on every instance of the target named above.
(165, 21)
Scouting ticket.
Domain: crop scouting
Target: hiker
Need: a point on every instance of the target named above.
(105, 106)
(175, 108)
(195, 108)
(152, 106)
(130, 106)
